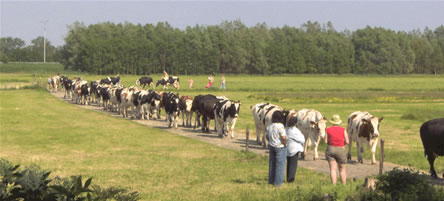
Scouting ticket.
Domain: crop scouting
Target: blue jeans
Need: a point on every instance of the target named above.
(222, 85)
(276, 170)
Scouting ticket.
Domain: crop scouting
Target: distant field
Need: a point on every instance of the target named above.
(405, 101)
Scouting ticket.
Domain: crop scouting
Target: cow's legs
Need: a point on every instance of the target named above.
(258, 135)
(375, 143)
(350, 142)
(232, 128)
(316, 144)
(183, 119)
(359, 150)
(431, 159)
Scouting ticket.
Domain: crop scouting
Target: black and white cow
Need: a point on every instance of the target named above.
(364, 129)
(185, 104)
(108, 80)
(312, 124)
(174, 80)
(203, 105)
(95, 94)
(105, 96)
(143, 81)
(63, 79)
(142, 102)
(171, 104)
(226, 112)
(432, 137)
(67, 84)
(262, 113)
(84, 93)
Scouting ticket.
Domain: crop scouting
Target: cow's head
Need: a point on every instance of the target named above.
(320, 126)
(159, 82)
(372, 124)
(234, 108)
(188, 104)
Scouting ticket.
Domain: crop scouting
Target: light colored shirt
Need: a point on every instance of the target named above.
(295, 141)
(275, 131)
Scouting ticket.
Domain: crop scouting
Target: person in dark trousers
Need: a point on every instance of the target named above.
(277, 140)
(336, 139)
(295, 145)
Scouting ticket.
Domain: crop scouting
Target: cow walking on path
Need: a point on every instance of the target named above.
(312, 124)
(363, 128)
(432, 137)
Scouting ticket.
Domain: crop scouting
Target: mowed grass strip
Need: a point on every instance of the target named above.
(37, 128)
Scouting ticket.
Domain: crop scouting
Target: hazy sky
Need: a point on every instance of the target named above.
(24, 19)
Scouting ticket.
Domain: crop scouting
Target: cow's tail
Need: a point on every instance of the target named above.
(251, 106)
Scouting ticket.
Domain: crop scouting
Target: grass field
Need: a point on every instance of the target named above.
(163, 166)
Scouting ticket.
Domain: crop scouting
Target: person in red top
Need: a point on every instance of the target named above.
(336, 139)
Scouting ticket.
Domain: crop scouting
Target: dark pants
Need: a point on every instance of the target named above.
(292, 165)
(276, 170)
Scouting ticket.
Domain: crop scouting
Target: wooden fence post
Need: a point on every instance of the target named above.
(247, 139)
(381, 158)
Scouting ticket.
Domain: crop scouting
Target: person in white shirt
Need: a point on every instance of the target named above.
(277, 140)
(295, 145)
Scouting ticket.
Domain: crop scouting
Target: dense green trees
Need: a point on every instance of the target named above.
(14, 49)
(232, 47)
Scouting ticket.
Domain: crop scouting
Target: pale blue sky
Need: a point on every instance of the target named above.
(24, 19)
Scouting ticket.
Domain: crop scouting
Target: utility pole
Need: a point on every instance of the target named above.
(44, 41)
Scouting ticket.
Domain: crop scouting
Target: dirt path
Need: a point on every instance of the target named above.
(354, 169)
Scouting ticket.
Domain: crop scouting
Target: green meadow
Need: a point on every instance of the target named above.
(37, 128)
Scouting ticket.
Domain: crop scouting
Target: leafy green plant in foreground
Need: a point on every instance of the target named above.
(32, 183)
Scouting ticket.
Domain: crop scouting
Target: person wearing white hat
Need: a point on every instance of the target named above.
(336, 139)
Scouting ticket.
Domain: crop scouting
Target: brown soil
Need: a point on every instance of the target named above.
(354, 169)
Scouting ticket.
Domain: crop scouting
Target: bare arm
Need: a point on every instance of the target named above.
(346, 137)
(326, 139)
(284, 138)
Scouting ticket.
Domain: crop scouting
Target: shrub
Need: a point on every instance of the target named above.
(32, 183)
(400, 185)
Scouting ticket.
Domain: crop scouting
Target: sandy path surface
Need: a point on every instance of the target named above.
(354, 169)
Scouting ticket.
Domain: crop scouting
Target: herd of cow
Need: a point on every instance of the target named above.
(363, 128)
(135, 102)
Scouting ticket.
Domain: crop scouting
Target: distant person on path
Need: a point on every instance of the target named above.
(223, 82)
(165, 76)
(49, 83)
(276, 137)
(191, 83)
(295, 144)
(210, 82)
(336, 139)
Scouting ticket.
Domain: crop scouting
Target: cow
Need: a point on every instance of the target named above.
(67, 84)
(62, 80)
(172, 80)
(203, 105)
(108, 80)
(104, 96)
(432, 137)
(171, 104)
(115, 100)
(363, 128)
(55, 82)
(262, 113)
(185, 104)
(127, 101)
(142, 101)
(143, 81)
(77, 91)
(226, 112)
(84, 93)
(95, 95)
(312, 124)
(154, 109)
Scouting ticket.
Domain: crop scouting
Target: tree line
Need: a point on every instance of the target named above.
(232, 47)
(15, 49)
